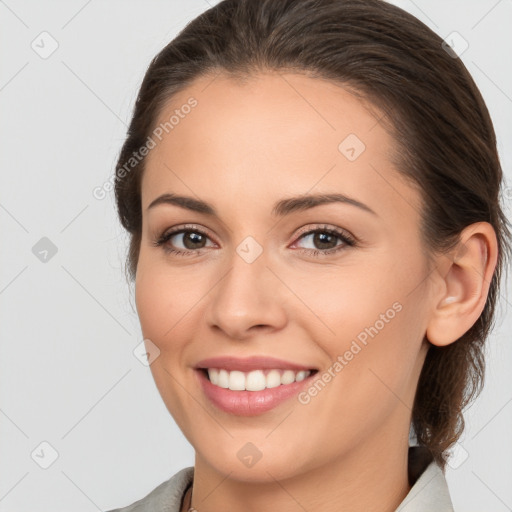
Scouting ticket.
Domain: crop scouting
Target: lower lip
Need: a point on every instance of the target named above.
(250, 403)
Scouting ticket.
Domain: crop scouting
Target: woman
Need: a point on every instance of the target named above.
(311, 190)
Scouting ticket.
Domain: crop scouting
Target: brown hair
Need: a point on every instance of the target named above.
(446, 144)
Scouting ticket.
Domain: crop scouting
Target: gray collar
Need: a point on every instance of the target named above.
(429, 489)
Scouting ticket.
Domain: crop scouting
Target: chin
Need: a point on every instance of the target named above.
(246, 463)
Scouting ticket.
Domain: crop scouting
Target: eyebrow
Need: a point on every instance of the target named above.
(281, 208)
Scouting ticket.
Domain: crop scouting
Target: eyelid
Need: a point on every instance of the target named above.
(317, 227)
(180, 228)
(341, 232)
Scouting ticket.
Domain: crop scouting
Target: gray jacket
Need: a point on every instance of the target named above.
(429, 492)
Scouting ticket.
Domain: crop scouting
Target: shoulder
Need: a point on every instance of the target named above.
(166, 497)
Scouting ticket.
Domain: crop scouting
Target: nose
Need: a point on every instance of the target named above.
(247, 299)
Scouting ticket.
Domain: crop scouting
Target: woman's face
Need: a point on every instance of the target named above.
(286, 282)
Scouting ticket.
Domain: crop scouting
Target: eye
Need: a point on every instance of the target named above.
(326, 240)
(183, 241)
(189, 240)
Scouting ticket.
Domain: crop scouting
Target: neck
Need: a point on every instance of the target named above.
(187, 500)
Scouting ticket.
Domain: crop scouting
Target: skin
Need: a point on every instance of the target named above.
(241, 149)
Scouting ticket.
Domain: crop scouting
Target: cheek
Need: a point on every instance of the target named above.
(376, 318)
(164, 301)
(166, 318)
(349, 299)
(371, 382)
(154, 307)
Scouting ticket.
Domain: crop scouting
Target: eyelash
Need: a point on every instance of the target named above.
(348, 241)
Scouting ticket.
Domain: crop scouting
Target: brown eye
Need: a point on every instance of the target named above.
(325, 240)
(182, 241)
(191, 239)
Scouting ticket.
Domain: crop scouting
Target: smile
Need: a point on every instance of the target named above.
(251, 393)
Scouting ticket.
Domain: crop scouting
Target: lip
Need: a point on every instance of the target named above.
(247, 364)
(249, 403)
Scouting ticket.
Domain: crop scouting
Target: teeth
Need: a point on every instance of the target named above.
(255, 380)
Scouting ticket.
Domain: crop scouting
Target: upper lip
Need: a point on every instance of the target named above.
(250, 363)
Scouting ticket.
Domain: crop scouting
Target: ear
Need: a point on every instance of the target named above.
(463, 278)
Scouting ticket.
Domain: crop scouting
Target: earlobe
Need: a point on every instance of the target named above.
(466, 275)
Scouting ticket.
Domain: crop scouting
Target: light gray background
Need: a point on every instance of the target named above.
(68, 327)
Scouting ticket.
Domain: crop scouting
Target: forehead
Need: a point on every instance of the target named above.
(271, 135)
(269, 110)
